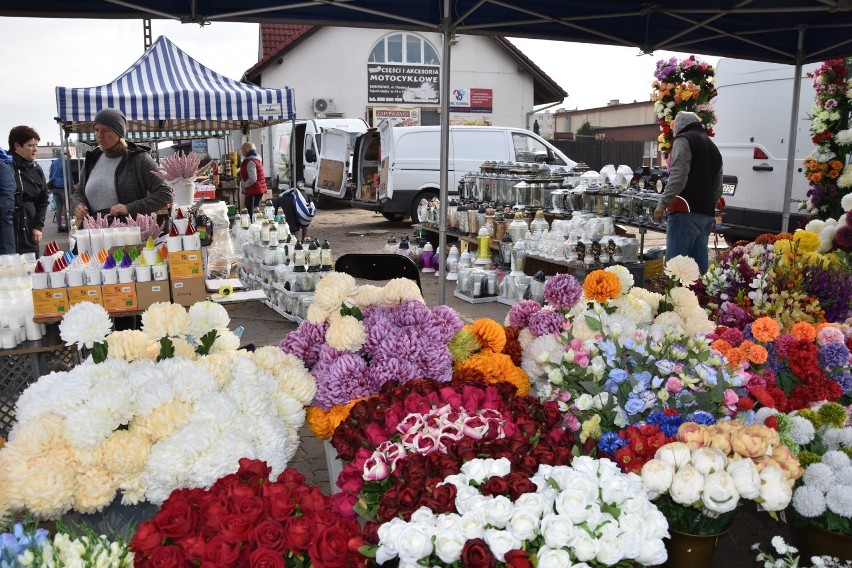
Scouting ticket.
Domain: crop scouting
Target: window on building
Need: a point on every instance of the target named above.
(404, 48)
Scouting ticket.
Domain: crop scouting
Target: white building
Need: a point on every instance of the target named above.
(373, 73)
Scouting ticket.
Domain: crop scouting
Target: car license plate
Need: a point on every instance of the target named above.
(728, 188)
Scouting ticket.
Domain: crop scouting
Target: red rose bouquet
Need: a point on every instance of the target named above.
(397, 446)
(247, 520)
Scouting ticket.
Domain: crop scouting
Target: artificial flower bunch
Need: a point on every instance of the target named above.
(397, 445)
(698, 481)
(479, 352)
(836, 234)
(624, 353)
(787, 557)
(584, 514)
(685, 85)
(148, 226)
(786, 277)
(788, 371)
(357, 338)
(830, 133)
(248, 518)
(173, 405)
(180, 166)
(81, 546)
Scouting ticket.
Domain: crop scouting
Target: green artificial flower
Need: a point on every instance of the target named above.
(463, 345)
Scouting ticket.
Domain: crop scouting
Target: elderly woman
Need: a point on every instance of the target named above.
(117, 177)
(32, 196)
(252, 181)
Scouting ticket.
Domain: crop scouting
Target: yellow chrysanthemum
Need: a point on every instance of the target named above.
(782, 246)
(601, 286)
(806, 241)
(489, 334)
(323, 423)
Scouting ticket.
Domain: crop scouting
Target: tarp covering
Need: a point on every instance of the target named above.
(161, 135)
(766, 30)
(167, 90)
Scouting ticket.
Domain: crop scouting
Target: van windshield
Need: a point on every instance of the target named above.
(532, 150)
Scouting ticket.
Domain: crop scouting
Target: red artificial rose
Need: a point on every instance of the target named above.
(255, 508)
(361, 457)
(496, 485)
(299, 531)
(476, 554)
(168, 557)
(253, 471)
(222, 551)
(370, 532)
(518, 559)
(236, 526)
(442, 499)
(519, 484)
(234, 487)
(323, 519)
(563, 456)
(193, 546)
(552, 415)
(279, 501)
(466, 449)
(147, 538)
(544, 455)
(330, 548)
(375, 434)
(291, 476)
(451, 397)
(266, 558)
(343, 504)
(392, 417)
(310, 499)
(350, 480)
(269, 534)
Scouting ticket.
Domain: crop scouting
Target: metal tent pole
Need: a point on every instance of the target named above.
(791, 149)
(66, 176)
(445, 154)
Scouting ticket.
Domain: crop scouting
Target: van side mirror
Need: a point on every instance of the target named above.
(542, 158)
(311, 155)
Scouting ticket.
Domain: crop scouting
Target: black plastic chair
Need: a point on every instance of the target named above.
(378, 267)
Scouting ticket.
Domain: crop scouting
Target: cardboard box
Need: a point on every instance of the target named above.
(77, 294)
(50, 302)
(368, 193)
(148, 293)
(186, 264)
(119, 297)
(188, 291)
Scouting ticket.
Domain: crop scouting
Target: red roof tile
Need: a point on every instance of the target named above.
(275, 38)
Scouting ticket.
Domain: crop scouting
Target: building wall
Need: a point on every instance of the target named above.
(629, 114)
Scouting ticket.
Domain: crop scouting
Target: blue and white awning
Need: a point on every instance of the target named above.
(167, 90)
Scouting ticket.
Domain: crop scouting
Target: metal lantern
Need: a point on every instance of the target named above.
(472, 227)
(522, 193)
(519, 257)
(499, 225)
(506, 245)
(590, 199)
(518, 228)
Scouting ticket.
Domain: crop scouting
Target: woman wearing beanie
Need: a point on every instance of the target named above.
(117, 176)
(252, 181)
(31, 194)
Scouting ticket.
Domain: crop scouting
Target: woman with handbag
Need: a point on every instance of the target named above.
(32, 196)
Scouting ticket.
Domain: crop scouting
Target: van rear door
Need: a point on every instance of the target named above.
(331, 174)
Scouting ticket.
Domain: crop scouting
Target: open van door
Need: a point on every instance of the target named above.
(385, 129)
(331, 174)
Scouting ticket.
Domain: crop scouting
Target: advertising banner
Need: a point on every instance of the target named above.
(398, 83)
(397, 116)
(464, 99)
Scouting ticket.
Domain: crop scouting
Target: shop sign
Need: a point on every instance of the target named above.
(465, 99)
(389, 83)
(273, 109)
(397, 116)
(199, 147)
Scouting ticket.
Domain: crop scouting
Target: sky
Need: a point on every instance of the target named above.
(42, 54)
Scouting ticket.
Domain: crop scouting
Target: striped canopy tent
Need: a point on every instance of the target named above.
(167, 94)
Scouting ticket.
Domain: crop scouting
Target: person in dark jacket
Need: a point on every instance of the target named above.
(252, 181)
(117, 177)
(32, 196)
(7, 204)
(692, 192)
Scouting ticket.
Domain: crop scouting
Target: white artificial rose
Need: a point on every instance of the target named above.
(557, 531)
(572, 503)
(585, 546)
(553, 558)
(657, 476)
(534, 502)
(587, 466)
(414, 542)
(583, 402)
(720, 492)
(449, 544)
(422, 515)
(658, 525)
(387, 539)
(633, 524)
(653, 553)
(676, 454)
(499, 511)
(524, 522)
(471, 525)
(708, 460)
(631, 545)
(775, 493)
(610, 549)
(466, 498)
(746, 477)
(501, 542)
(475, 470)
(615, 489)
(687, 485)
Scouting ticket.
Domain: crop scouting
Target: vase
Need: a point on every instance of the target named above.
(692, 550)
(184, 191)
(335, 466)
(815, 541)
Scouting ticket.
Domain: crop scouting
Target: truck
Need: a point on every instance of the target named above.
(753, 109)
(305, 156)
(394, 167)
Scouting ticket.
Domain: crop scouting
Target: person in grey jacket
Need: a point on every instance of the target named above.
(117, 177)
(692, 192)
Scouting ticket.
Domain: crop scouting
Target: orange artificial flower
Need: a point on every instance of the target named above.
(766, 239)
(721, 346)
(735, 356)
(601, 286)
(757, 354)
(836, 164)
(495, 367)
(803, 330)
(489, 334)
(323, 423)
(785, 236)
(765, 329)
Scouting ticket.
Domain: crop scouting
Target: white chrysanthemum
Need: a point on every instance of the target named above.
(809, 502)
(400, 290)
(695, 321)
(839, 500)
(270, 439)
(270, 358)
(226, 341)
(346, 333)
(684, 268)
(802, 430)
(88, 428)
(624, 276)
(844, 476)
(56, 392)
(826, 238)
(667, 320)
(332, 290)
(815, 226)
(216, 407)
(846, 201)
(543, 353)
(253, 393)
(684, 298)
(630, 306)
(164, 319)
(316, 314)
(162, 421)
(819, 475)
(845, 179)
(130, 345)
(295, 380)
(618, 324)
(525, 337)
(650, 298)
(368, 295)
(836, 460)
(206, 316)
(290, 410)
(193, 384)
(36, 437)
(182, 348)
(84, 325)
(221, 458)
(218, 365)
(836, 438)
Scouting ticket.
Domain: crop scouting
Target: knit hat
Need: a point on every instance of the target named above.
(113, 118)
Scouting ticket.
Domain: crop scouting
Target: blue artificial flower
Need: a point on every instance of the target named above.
(701, 417)
(844, 379)
(607, 348)
(833, 355)
(643, 379)
(668, 423)
(665, 367)
(634, 405)
(610, 443)
(679, 352)
(707, 373)
(656, 382)
(618, 376)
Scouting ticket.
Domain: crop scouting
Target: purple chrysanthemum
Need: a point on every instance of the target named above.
(732, 336)
(844, 379)
(545, 322)
(342, 380)
(563, 291)
(519, 315)
(305, 342)
(410, 313)
(843, 238)
(447, 322)
(782, 344)
(832, 355)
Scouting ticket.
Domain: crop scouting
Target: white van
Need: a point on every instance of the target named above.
(752, 132)
(307, 153)
(406, 162)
